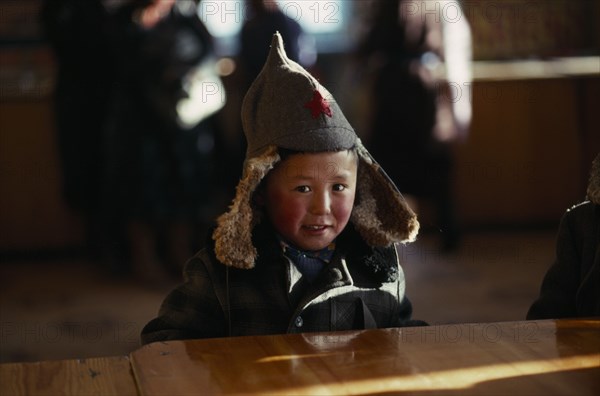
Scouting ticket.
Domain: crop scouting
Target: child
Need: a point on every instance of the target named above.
(571, 287)
(308, 242)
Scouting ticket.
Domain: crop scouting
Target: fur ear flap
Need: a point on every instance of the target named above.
(381, 214)
(233, 235)
(593, 190)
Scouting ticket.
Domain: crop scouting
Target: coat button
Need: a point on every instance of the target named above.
(335, 274)
(299, 321)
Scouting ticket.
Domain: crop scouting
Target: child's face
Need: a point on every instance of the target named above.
(309, 197)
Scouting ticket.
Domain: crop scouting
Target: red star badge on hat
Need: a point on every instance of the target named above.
(318, 105)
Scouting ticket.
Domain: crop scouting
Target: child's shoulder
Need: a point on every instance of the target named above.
(583, 210)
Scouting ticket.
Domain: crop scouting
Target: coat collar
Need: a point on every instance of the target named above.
(379, 264)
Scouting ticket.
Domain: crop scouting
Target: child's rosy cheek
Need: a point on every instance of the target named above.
(291, 211)
(345, 210)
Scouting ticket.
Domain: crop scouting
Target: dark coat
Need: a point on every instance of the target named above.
(156, 171)
(256, 35)
(76, 31)
(571, 287)
(404, 103)
(361, 288)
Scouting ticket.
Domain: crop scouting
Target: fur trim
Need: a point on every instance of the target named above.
(233, 235)
(381, 215)
(383, 263)
(593, 190)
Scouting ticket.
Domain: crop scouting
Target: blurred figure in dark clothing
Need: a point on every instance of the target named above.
(76, 32)
(158, 180)
(412, 102)
(264, 19)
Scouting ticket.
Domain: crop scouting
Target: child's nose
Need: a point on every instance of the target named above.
(321, 203)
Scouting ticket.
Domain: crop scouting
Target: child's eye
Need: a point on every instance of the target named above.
(303, 189)
(339, 187)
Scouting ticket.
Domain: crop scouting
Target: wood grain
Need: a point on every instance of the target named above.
(517, 358)
(97, 376)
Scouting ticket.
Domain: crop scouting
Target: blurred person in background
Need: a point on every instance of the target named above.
(76, 30)
(160, 137)
(416, 56)
(265, 18)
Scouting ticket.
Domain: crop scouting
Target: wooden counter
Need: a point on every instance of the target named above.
(97, 376)
(526, 358)
(517, 358)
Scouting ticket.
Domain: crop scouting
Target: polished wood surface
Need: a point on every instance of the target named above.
(97, 376)
(517, 358)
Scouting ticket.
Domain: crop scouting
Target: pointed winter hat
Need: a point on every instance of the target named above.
(288, 108)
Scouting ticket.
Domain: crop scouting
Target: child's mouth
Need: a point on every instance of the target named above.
(315, 227)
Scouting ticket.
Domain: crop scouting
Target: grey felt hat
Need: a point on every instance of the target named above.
(286, 107)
